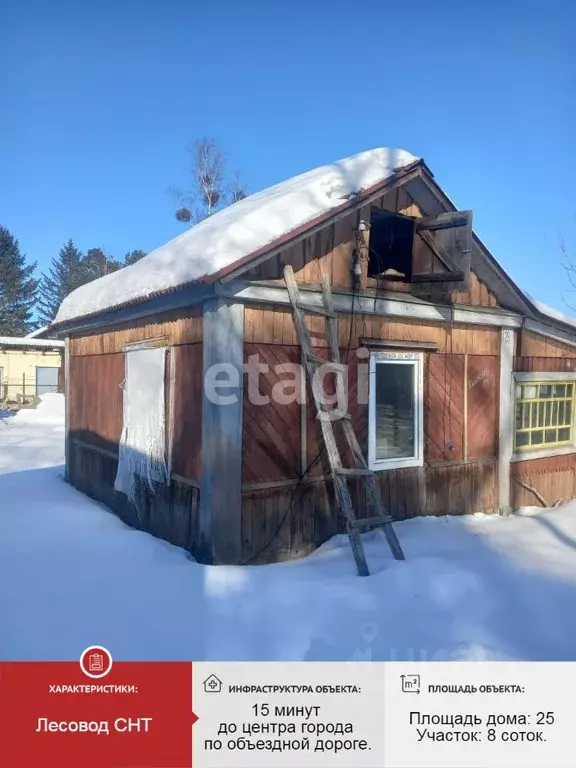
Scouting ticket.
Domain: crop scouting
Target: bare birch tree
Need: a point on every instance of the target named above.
(213, 187)
(569, 264)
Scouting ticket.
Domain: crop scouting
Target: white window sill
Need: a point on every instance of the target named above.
(382, 466)
(543, 453)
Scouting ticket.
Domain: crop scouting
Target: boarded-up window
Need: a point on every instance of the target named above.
(143, 443)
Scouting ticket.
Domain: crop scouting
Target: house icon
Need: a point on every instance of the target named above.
(212, 684)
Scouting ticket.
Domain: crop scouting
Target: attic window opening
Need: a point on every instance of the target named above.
(391, 246)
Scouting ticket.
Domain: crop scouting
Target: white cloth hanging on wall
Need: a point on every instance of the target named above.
(143, 442)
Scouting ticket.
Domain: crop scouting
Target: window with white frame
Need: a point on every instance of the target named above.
(544, 412)
(395, 434)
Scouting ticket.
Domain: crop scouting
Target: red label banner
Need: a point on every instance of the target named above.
(100, 714)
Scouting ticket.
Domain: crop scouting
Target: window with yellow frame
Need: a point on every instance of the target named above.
(544, 414)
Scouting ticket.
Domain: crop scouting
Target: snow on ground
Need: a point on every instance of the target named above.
(73, 575)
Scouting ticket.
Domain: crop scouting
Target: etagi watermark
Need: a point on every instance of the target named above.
(222, 382)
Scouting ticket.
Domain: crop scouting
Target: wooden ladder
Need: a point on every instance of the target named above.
(327, 416)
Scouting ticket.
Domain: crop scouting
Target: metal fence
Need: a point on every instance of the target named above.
(25, 390)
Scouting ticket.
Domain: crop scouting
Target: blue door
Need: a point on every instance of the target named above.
(46, 380)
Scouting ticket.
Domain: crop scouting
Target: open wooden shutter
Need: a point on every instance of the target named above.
(443, 254)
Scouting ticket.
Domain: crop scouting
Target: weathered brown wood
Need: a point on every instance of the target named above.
(532, 490)
(439, 277)
(482, 388)
(326, 424)
(174, 328)
(443, 221)
(430, 346)
(533, 345)
(95, 398)
(187, 429)
(444, 408)
(438, 250)
(170, 513)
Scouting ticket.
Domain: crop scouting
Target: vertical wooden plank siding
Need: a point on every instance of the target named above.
(330, 251)
(176, 328)
(187, 444)
(220, 534)
(506, 418)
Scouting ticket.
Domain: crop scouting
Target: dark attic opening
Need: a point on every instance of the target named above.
(391, 245)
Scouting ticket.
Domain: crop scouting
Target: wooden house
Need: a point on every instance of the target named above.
(460, 387)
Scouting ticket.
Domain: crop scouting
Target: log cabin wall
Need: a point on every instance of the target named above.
(282, 517)
(553, 477)
(95, 408)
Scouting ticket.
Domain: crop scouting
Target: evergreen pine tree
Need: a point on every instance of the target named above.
(133, 256)
(97, 263)
(18, 288)
(67, 272)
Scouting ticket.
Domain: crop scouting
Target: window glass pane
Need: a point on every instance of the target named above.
(561, 412)
(395, 436)
(550, 436)
(568, 390)
(536, 437)
(530, 392)
(559, 390)
(543, 414)
(545, 390)
(522, 438)
(519, 409)
(564, 434)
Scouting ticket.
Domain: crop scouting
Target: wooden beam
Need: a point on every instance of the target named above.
(429, 346)
(506, 440)
(67, 409)
(443, 221)
(389, 305)
(439, 277)
(220, 508)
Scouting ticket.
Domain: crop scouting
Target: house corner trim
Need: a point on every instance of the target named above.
(220, 507)
(505, 447)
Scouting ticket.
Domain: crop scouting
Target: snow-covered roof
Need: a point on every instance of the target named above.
(236, 232)
(27, 342)
(550, 312)
(37, 332)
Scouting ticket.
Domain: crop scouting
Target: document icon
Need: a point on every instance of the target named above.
(96, 662)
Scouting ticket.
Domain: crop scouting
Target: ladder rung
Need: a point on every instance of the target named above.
(353, 471)
(316, 310)
(366, 523)
(332, 414)
(330, 363)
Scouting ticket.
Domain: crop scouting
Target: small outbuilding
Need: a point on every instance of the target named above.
(187, 410)
(29, 368)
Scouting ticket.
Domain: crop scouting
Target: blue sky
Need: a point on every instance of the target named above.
(100, 99)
